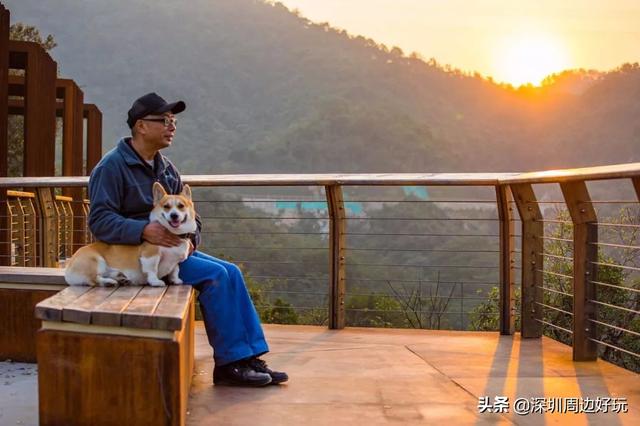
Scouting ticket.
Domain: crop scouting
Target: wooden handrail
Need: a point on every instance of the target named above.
(617, 171)
(462, 179)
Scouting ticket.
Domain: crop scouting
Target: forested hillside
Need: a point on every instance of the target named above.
(269, 91)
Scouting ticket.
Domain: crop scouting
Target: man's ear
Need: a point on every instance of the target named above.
(186, 192)
(158, 192)
(139, 127)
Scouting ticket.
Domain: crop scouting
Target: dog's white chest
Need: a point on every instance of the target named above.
(171, 256)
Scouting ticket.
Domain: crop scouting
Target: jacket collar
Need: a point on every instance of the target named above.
(132, 158)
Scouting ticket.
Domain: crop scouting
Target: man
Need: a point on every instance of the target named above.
(120, 190)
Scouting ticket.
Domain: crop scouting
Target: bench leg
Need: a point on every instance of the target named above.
(100, 379)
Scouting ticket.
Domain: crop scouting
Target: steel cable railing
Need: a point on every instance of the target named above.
(468, 261)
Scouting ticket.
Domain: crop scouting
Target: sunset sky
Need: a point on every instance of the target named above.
(513, 41)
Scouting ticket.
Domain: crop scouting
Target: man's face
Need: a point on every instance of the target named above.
(158, 130)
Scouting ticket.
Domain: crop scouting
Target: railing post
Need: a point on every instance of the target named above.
(48, 229)
(31, 249)
(507, 296)
(585, 254)
(636, 186)
(5, 243)
(94, 136)
(532, 263)
(337, 227)
(72, 150)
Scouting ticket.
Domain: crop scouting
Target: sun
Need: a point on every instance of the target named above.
(529, 59)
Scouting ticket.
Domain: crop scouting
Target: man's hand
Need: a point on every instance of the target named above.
(191, 248)
(157, 234)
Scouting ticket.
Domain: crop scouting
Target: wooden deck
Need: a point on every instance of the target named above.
(384, 376)
(381, 376)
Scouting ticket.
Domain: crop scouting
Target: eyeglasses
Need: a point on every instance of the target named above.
(167, 121)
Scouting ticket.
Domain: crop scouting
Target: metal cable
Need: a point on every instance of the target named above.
(597, 302)
(615, 327)
(425, 266)
(613, 265)
(614, 347)
(555, 291)
(554, 308)
(554, 325)
(419, 235)
(555, 256)
(554, 273)
(615, 286)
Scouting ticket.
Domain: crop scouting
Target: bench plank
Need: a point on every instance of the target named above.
(30, 275)
(140, 311)
(109, 312)
(173, 308)
(79, 310)
(51, 309)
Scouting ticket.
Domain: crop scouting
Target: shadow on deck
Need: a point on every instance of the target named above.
(374, 376)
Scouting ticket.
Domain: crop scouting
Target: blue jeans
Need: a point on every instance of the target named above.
(232, 323)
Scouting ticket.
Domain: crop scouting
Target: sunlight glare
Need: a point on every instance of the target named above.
(529, 59)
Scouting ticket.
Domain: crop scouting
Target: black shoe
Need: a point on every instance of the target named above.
(239, 373)
(260, 366)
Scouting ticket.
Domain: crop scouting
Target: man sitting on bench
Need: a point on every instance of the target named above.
(120, 191)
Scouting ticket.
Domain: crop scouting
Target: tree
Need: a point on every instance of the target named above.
(374, 310)
(423, 310)
(486, 316)
(22, 32)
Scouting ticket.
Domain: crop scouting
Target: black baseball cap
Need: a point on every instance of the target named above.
(151, 103)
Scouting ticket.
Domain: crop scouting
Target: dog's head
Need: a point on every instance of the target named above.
(174, 212)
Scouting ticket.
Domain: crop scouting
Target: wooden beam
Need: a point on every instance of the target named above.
(507, 245)
(72, 127)
(532, 261)
(337, 273)
(94, 136)
(585, 254)
(5, 244)
(4, 85)
(40, 106)
(72, 150)
(16, 107)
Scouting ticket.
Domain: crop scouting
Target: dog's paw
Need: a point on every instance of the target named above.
(177, 282)
(106, 282)
(157, 283)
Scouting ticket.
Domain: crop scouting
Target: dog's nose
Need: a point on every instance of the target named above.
(174, 216)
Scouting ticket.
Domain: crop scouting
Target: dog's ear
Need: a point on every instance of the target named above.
(158, 192)
(186, 192)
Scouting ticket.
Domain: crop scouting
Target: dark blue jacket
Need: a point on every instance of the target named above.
(121, 195)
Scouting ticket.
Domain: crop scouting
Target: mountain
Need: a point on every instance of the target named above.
(269, 91)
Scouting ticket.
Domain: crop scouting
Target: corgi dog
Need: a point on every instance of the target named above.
(101, 264)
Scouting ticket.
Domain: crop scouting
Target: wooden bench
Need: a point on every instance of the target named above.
(115, 355)
(20, 290)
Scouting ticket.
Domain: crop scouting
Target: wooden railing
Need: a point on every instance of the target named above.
(514, 199)
(21, 211)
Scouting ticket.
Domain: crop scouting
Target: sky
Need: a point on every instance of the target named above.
(513, 41)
